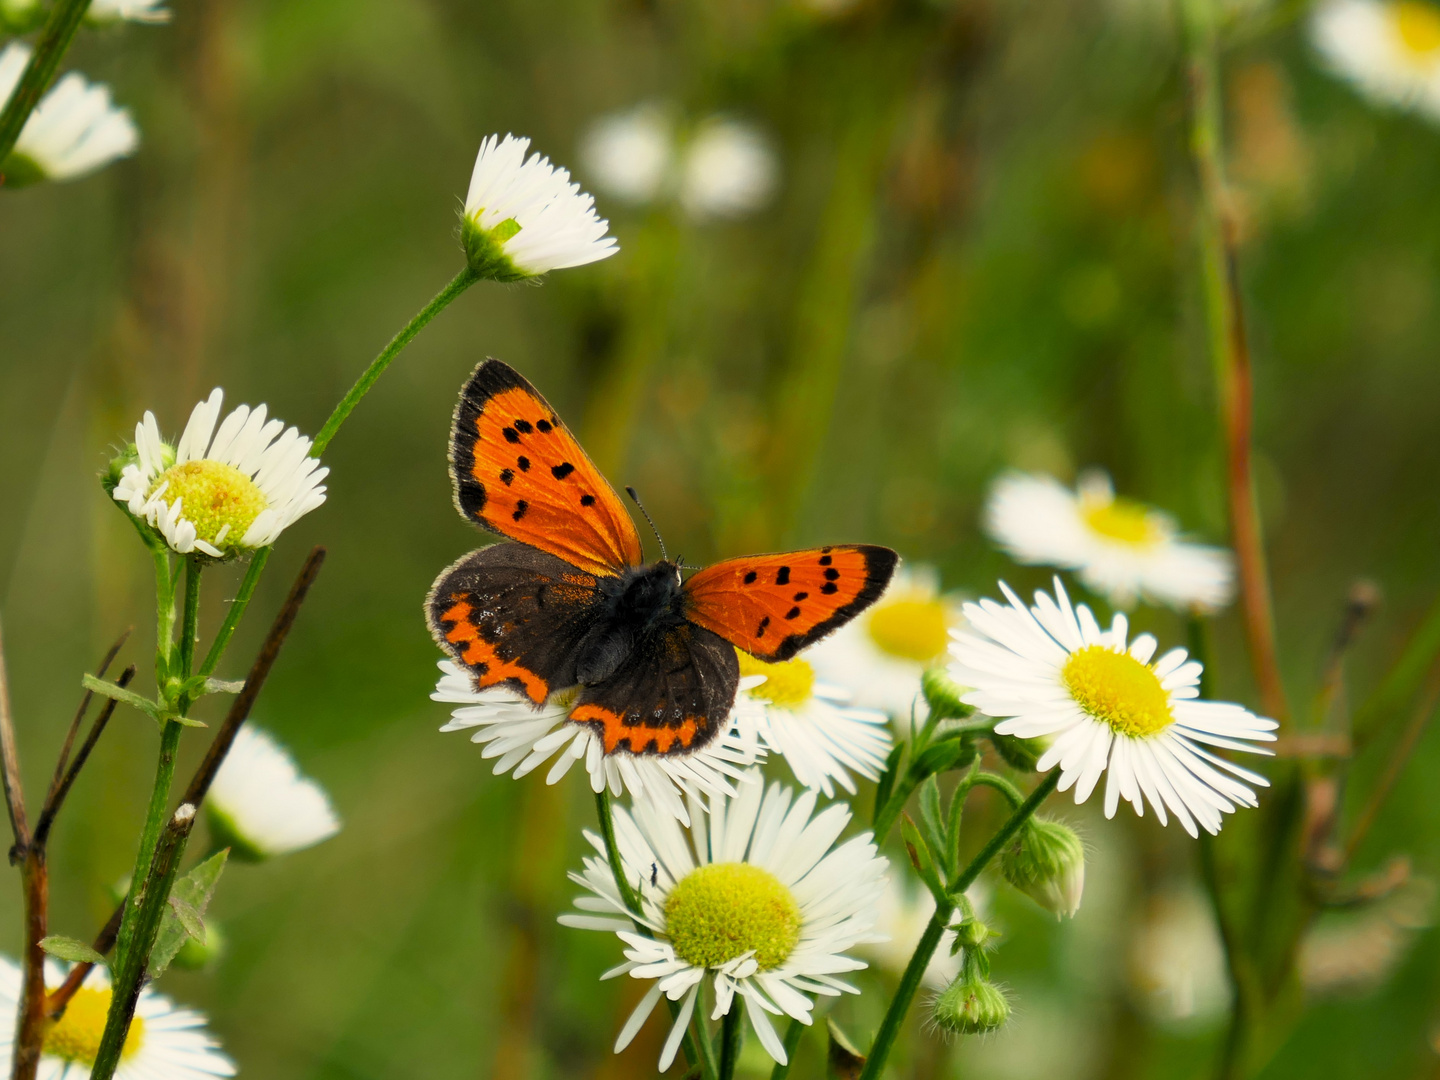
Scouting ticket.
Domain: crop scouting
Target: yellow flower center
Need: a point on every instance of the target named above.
(220, 500)
(1418, 26)
(788, 684)
(1118, 690)
(1123, 520)
(910, 629)
(76, 1035)
(721, 911)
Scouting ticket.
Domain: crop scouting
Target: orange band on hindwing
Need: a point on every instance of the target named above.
(639, 737)
(487, 666)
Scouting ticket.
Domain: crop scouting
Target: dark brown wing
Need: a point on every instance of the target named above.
(514, 615)
(672, 695)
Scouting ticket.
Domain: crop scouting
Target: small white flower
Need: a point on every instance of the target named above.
(1390, 49)
(882, 653)
(1119, 548)
(236, 491)
(262, 805)
(729, 170)
(1052, 671)
(754, 898)
(524, 218)
(524, 737)
(630, 154)
(165, 1042)
(143, 11)
(811, 723)
(73, 131)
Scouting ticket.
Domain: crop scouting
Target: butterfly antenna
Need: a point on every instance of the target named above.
(659, 539)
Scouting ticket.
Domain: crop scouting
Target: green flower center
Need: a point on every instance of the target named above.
(1418, 26)
(76, 1035)
(1118, 690)
(724, 910)
(910, 629)
(220, 500)
(1123, 520)
(788, 684)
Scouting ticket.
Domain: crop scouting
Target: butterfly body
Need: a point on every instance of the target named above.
(568, 606)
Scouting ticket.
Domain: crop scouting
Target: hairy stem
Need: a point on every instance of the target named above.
(55, 38)
(458, 284)
(236, 611)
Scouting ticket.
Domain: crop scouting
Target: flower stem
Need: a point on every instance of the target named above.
(920, 960)
(628, 895)
(236, 611)
(190, 623)
(60, 27)
(792, 1043)
(731, 1035)
(458, 284)
(164, 613)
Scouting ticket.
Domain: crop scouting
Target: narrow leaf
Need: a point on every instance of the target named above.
(921, 857)
(120, 694)
(72, 949)
(886, 784)
(932, 818)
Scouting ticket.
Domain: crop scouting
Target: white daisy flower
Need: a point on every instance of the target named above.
(882, 653)
(822, 737)
(1390, 49)
(261, 805)
(729, 170)
(523, 737)
(235, 491)
(75, 129)
(524, 218)
(630, 154)
(754, 898)
(1120, 548)
(165, 1042)
(143, 11)
(1051, 671)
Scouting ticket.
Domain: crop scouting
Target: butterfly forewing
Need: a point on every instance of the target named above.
(518, 471)
(772, 606)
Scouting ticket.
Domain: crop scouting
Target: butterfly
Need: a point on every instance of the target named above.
(570, 605)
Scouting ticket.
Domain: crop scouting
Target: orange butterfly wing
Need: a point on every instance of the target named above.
(772, 606)
(518, 471)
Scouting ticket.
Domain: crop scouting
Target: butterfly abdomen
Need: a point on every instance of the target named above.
(643, 601)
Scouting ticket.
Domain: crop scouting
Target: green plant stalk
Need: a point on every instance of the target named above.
(458, 285)
(149, 909)
(793, 1034)
(164, 613)
(930, 940)
(65, 18)
(189, 625)
(236, 611)
(731, 1035)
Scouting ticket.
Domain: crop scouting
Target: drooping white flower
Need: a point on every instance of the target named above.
(235, 491)
(165, 1042)
(523, 737)
(630, 154)
(75, 129)
(811, 723)
(261, 805)
(755, 899)
(729, 170)
(1120, 548)
(524, 218)
(881, 654)
(1051, 671)
(1390, 49)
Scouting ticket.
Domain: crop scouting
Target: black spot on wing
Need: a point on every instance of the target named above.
(800, 596)
(511, 435)
(793, 613)
(520, 508)
(524, 463)
(750, 577)
(587, 500)
(562, 470)
(507, 476)
(782, 576)
(543, 427)
(763, 624)
(826, 560)
(831, 574)
(523, 426)
(829, 588)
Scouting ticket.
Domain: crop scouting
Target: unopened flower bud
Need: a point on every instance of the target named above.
(1047, 863)
(1019, 753)
(972, 934)
(942, 694)
(971, 1006)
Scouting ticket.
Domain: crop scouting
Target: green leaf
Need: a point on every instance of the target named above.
(120, 694)
(932, 818)
(922, 858)
(72, 949)
(886, 784)
(186, 721)
(955, 750)
(185, 913)
(842, 1061)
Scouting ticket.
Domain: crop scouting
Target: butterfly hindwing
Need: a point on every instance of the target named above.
(518, 471)
(772, 606)
(672, 695)
(515, 616)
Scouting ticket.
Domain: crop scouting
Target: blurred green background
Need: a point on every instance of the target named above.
(979, 255)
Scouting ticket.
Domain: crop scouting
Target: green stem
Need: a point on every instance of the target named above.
(150, 834)
(792, 1044)
(236, 612)
(65, 18)
(628, 895)
(190, 624)
(920, 960)
(458, 284)
(731, 1035)
(164, 614)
